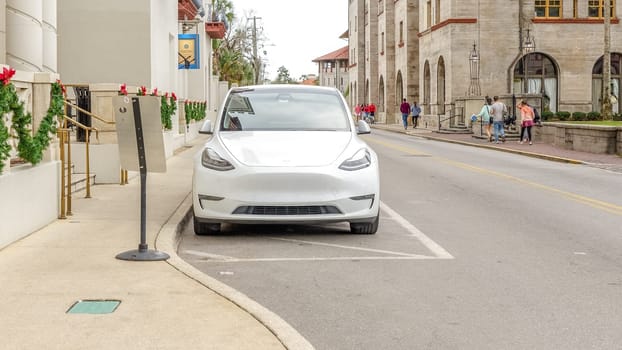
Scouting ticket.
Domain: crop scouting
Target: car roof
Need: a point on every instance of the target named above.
(281, 87)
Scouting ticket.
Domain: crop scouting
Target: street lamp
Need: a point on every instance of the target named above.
(529, 46)
(474, 89)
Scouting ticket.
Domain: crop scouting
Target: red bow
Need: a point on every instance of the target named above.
(174, 96)
(123, 89)
(6, 75)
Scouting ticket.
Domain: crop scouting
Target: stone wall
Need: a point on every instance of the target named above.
(579, 137)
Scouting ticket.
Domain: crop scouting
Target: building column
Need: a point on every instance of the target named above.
(24, 35)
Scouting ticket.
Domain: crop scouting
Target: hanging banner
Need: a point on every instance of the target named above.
(188, 51)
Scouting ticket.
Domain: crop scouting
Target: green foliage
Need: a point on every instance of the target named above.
(562, 115)
(594, 116)
(283, 76)
(578, 116)
(547, 115)
(617, 117)
(29, 148)
(168, 106)
(195, 110)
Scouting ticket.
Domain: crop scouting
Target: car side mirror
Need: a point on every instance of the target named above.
(363, 128)
(206, 128)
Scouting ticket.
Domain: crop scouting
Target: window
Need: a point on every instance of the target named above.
(401, 32)
(595, 8)
(437, 11)
(548, 8)
(575, 9)
(428, 11)
(382, 42)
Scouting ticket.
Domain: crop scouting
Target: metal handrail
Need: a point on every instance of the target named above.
(101, 119)
(64, 138)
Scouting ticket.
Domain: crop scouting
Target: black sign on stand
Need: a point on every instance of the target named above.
(140, 140)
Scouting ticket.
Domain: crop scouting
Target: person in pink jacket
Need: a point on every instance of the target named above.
(526, 116)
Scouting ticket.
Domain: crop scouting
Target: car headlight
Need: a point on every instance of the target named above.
(212, 160)
(361, 159)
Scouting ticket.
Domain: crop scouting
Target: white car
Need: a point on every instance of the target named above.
(285, 154)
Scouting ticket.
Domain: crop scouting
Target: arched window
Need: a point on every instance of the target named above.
(367, 101)
(536, 73)
(597, 82)
(399, 88)
(440, 86)
(380, 106)
(426, 85)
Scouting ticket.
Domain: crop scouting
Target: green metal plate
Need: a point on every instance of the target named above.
(94, 307)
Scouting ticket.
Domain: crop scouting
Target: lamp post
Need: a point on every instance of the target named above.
(528, 46)
(474, 89)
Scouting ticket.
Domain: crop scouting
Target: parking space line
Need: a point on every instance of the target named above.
(344, 247)
(436, 249)
(226, 259)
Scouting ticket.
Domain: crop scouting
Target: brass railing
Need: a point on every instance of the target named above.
(65, 159)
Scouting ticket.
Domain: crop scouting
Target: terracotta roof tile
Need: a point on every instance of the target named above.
(341, 54)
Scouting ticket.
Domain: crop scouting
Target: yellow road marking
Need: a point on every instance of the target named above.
(608, 207)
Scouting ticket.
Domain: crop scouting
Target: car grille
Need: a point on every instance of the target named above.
(287, 210)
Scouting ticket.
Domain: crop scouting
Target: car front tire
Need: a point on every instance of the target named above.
(367, 228)
(204, 229)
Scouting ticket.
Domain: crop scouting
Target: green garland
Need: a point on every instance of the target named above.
(29, 148)
(195, 111)
(168, 106)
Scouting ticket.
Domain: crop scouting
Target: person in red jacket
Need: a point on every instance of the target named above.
(372, 112)
(405, 109)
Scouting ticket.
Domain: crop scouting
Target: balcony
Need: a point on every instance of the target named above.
(216, 30)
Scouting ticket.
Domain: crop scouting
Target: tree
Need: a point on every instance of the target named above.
(234, 56)
(282, 76)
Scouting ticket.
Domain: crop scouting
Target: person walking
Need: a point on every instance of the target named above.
(415, 111)
(498, 110)
(526, 116)
(372, 112)
(484, 115)
(405, 109)
(357, 111)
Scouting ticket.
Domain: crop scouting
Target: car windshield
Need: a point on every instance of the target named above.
(285, 109)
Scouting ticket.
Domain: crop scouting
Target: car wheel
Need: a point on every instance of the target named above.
(203, 228)
(368, 228)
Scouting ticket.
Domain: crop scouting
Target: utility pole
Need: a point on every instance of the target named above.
(606, 104)
(255, 58)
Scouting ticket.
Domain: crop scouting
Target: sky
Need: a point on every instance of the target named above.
(300, 30)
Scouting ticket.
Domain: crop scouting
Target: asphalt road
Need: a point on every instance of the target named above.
(477, 249)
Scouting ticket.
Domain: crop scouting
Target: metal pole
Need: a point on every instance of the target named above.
(61, 136)
(88, 168)
(143, 253)
(69, 173)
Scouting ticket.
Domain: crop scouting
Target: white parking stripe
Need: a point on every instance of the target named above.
(425, 240)
(437, 250)
(343, 246)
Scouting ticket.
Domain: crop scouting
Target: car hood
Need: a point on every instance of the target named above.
(291, 148)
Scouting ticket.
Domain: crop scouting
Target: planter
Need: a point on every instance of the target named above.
(216, 30)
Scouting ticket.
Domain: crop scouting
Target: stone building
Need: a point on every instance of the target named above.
(333, 69)
(447, 53)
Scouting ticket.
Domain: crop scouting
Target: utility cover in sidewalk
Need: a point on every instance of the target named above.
(94, 307)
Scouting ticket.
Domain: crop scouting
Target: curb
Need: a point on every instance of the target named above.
(168, 240)
(508, 150)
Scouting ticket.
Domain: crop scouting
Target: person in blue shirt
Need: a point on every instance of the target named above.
(484, 115)
(415, 111)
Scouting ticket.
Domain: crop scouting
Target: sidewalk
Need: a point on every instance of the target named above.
(538, 149)
(163, 304)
